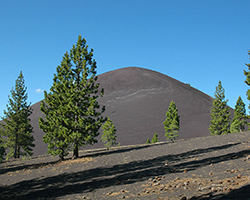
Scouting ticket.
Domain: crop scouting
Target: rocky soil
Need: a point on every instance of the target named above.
(214, 167)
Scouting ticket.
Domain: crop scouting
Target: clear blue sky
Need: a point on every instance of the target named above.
(200, 42)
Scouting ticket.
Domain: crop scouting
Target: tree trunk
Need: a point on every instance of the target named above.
(76, 153)
(61, 156)
(18, 151)
(15, 150)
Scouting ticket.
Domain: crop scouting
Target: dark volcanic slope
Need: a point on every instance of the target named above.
(137, 99)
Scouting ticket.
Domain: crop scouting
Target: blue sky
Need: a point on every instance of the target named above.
(200, 42)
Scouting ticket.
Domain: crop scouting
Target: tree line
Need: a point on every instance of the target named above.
(73, 116)
(220, 122)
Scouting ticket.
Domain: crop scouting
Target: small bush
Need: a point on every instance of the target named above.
(155, 139)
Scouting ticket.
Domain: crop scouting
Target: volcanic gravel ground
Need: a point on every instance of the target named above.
(214, 167)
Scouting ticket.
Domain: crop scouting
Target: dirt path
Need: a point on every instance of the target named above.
(215, 167)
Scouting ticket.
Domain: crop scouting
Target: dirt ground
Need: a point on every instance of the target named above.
(214, 167)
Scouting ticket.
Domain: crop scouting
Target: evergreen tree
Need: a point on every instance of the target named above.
(16, 127)
(155, 139)
(73, 115)
(109, 134)
(172, 122)
(220, 114)
(85, 107)
(239, 120)
(56, 109)
(148, 141)
(247, 81)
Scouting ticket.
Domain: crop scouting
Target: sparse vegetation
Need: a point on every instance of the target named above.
(220, 114)
(148, 141)
(239, 120)
(172, 122)
(72, 111)
(16, 125)
(155, 138)
(109, 134)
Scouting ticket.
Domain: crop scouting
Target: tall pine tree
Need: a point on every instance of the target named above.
(85, 92)
(239, 119)
(220, 114)
(56, 109)
(172, 122)
(16, 127)
(73, 114)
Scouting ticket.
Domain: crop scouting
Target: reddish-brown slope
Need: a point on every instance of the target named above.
(137, 99)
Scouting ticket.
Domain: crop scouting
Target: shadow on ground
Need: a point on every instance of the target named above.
(101, 177)
(242, 193)
(92, 153)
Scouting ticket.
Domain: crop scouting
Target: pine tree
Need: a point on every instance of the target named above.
(172, 122)
(109, 134)
(239, 119)
(85, 107)
(155, 139)
(148, 141)
(220, 114)
(247, 81)
(16, 127)
(56, 109)
(73, 114)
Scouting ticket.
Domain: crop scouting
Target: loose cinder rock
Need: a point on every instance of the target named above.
(162, 187)
(156, 184)
(239, 176)
(186, 183)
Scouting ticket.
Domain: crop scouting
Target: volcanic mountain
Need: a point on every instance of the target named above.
(137, 100)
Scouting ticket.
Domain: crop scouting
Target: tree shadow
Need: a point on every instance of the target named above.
(26, 167)
(102, 152)
(92, 153)
(242, 193)
(101, 177)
